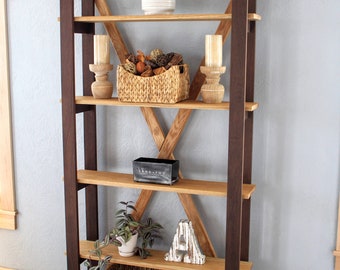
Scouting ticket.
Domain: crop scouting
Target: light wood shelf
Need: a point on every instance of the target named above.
(186, 104)
(155, 18)
(156, 261)
(187, 186)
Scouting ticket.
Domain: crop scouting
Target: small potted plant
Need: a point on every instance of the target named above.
(125, 235)
(128, 230)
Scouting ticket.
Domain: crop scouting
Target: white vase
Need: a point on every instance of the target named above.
(128, 249)
(158, 6)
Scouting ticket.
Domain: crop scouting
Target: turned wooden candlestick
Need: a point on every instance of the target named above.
(102, 87)
(212, 91)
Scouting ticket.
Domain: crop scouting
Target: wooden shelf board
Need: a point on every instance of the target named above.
(156, 261)
(186, 104)
(162, 17)
(187, 186)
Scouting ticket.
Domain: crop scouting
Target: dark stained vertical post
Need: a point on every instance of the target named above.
(69, 132)
(236, 132)
(90, 138)
(248, 147)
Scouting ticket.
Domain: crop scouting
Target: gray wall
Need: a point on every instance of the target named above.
(296, 137)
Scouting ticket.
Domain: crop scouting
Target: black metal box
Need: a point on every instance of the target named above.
(154, 170)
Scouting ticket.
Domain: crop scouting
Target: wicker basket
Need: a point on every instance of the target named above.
(169, 87)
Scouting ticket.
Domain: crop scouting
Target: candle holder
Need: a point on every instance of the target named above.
(102, 87)
(212, 91)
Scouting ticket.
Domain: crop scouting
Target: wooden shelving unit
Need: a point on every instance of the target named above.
(241, 15)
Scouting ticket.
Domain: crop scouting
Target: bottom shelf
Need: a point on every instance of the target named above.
(156, 261)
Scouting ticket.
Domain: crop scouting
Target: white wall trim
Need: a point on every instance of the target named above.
(7, 197)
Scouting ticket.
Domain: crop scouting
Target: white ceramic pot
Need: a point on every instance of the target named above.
(128, 249)
(158, 6)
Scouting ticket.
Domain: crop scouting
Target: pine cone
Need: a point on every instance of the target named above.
(130, 67)
(154, 54)
(170, 55)
(177, 59)
(151, 63)
(132, 58)
(162, 60)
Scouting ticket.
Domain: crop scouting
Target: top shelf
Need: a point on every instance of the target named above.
(165, 17)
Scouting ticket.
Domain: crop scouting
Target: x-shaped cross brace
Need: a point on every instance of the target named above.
(166, 144)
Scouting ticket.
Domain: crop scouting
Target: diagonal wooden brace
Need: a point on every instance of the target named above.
(186, 199)
(112, 30)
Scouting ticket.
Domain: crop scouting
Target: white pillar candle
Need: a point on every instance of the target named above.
(213, 50)
(101, 49)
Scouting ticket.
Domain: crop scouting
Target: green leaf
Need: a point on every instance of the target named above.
(107, 258)
(121, 223)
(98, 253)
(131, 207)
(96, 244)
(134, 223)
(120, 212)
(87, 263)
(107, 240)
(116, 243)
(147, 235)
